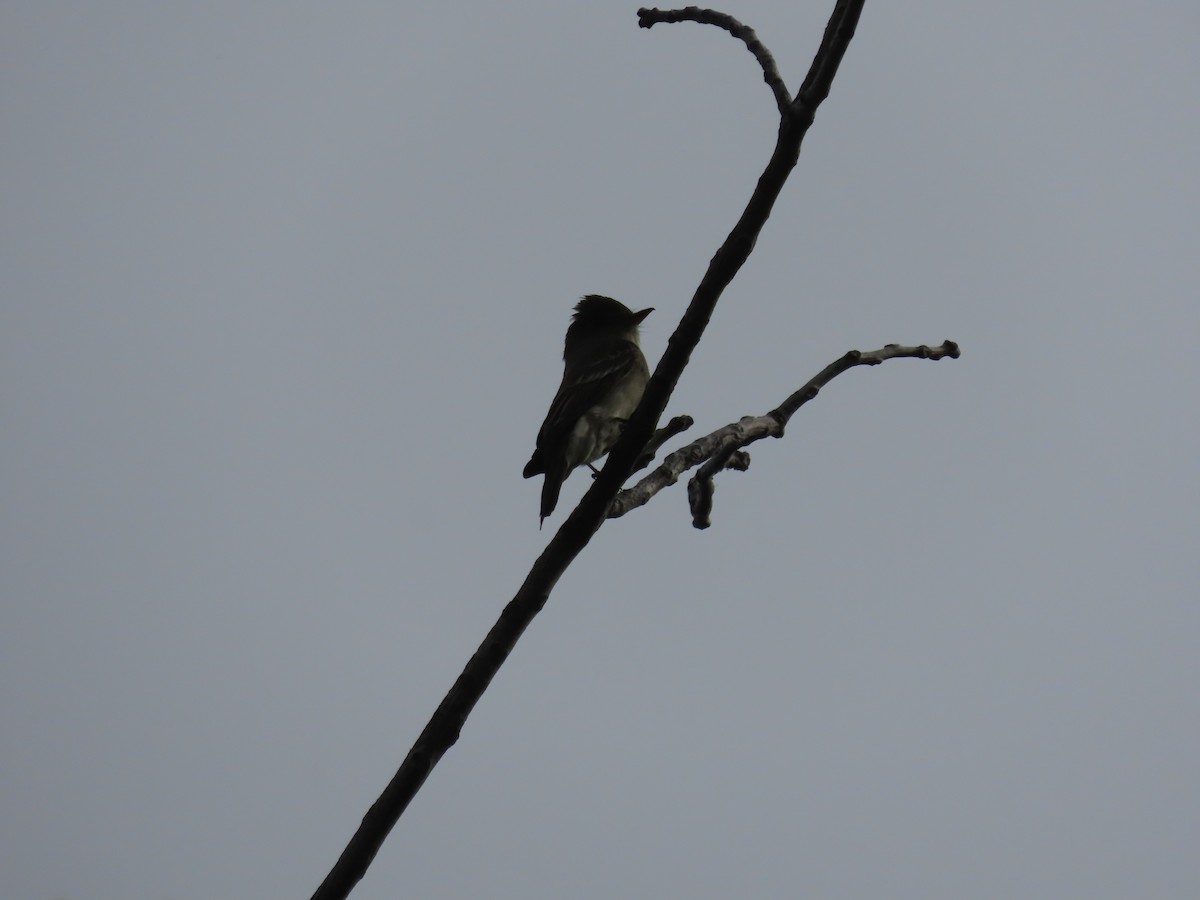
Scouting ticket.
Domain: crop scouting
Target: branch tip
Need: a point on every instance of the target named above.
(744, 33)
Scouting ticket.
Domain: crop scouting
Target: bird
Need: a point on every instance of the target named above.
(604, 376)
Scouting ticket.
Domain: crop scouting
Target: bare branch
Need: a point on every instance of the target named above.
(722, 449)
(788, 407)
(723, 267)
(648, 18)
(815, 87)
(444, 727)
(673, 465)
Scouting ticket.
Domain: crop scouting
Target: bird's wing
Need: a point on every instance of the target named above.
(583, 386)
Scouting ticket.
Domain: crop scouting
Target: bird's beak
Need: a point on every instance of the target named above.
(641, 314)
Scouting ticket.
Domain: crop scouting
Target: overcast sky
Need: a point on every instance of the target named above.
(282, 295)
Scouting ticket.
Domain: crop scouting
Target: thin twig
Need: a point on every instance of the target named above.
(648, 18)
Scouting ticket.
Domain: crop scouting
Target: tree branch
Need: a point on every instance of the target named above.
(444, 727)
(722, 449)
(648, 18)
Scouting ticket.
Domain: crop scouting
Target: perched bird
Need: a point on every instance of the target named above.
(604, 375)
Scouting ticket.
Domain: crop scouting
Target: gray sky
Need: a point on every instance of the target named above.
(283, 294)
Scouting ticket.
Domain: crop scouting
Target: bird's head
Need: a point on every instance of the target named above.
(596, 315)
